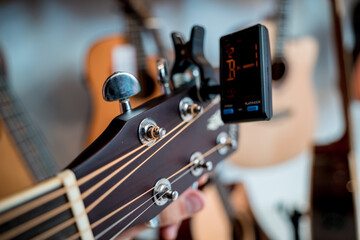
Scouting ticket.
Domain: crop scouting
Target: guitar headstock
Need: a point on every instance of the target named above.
(120, 172)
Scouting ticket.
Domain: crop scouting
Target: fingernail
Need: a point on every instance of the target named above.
(193, 203)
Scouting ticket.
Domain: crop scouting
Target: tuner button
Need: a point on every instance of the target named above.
(120, 86)
(188, 109)
(150, 131)
(171, 195)
(156, 132)
(162, 192)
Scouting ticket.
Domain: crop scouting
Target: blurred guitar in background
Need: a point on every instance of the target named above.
(24, 157)
(333, 209)
(295, 112)
(355, 78)
(122, 52)
(266, 143)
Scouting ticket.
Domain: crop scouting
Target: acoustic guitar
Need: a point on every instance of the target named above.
(355, 78)
(265, 143)
(24, 156)
(122, 52)
(332, 201)
(294, 104)
(120, 180)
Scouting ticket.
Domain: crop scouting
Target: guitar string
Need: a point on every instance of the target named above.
(127, 215)
(34, 222)
(70, 221)
(95, 224)
(124, 228)
(98, 222)
(39, 219)
(195, 118)
(51, 196)
(96, 202)
(217, 147)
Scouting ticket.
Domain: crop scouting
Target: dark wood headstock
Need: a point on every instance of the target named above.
(167, 156)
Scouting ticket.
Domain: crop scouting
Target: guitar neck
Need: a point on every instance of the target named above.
(134, 30)
(343, 144)
(281, 28)
(39, 212)
(26, 137)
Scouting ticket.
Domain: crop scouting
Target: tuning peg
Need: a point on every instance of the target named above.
(120, 86)
(163, 75)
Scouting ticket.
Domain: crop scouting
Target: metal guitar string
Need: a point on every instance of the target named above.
(215, 148)
(98, 222)
(67, 223)
(51, 196)
(123, 218)
(34, 222)
(33, 204)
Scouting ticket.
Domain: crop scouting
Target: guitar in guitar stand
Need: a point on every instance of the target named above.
(143, 160)
(24, 156)
(333, 209)
(293, 62)
(117, 52)
(237, 103)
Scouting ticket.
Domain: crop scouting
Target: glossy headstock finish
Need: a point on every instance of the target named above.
(121, 137)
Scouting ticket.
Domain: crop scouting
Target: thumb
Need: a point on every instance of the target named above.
(190, 202)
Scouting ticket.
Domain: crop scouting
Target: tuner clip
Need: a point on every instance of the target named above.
(191, 65)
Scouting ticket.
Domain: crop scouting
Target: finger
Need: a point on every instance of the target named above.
(203, 179)
(190, 202)
(169, 232)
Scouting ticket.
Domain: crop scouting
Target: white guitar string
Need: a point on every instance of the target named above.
(124, 228)
(213, 103)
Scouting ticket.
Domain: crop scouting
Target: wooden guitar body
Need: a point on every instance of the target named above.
(355, 78)
(99, 66)
(14, 174)
(24, 156)
(295, 112)
(213, 223)
(289, 132)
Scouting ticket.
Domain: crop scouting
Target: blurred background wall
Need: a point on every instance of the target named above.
(46, 43)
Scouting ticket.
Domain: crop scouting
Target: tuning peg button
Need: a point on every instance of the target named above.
(120, 86)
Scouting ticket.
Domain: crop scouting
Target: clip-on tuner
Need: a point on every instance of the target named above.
(245, 72)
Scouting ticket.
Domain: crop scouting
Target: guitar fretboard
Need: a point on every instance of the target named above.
(30, 144)
(282, 28)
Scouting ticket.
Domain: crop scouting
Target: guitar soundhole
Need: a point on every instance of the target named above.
(278, 69)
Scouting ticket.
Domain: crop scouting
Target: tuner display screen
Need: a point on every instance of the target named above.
(244, 74)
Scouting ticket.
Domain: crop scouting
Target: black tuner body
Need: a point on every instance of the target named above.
(245, 75)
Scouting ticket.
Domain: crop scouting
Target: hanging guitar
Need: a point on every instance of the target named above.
(332, 204)
(22, 149)
(118, 52)
(148, 155)
(191, 64)
(355, 77)
(293, 62)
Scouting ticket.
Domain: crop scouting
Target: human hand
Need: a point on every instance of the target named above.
(188, 203)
